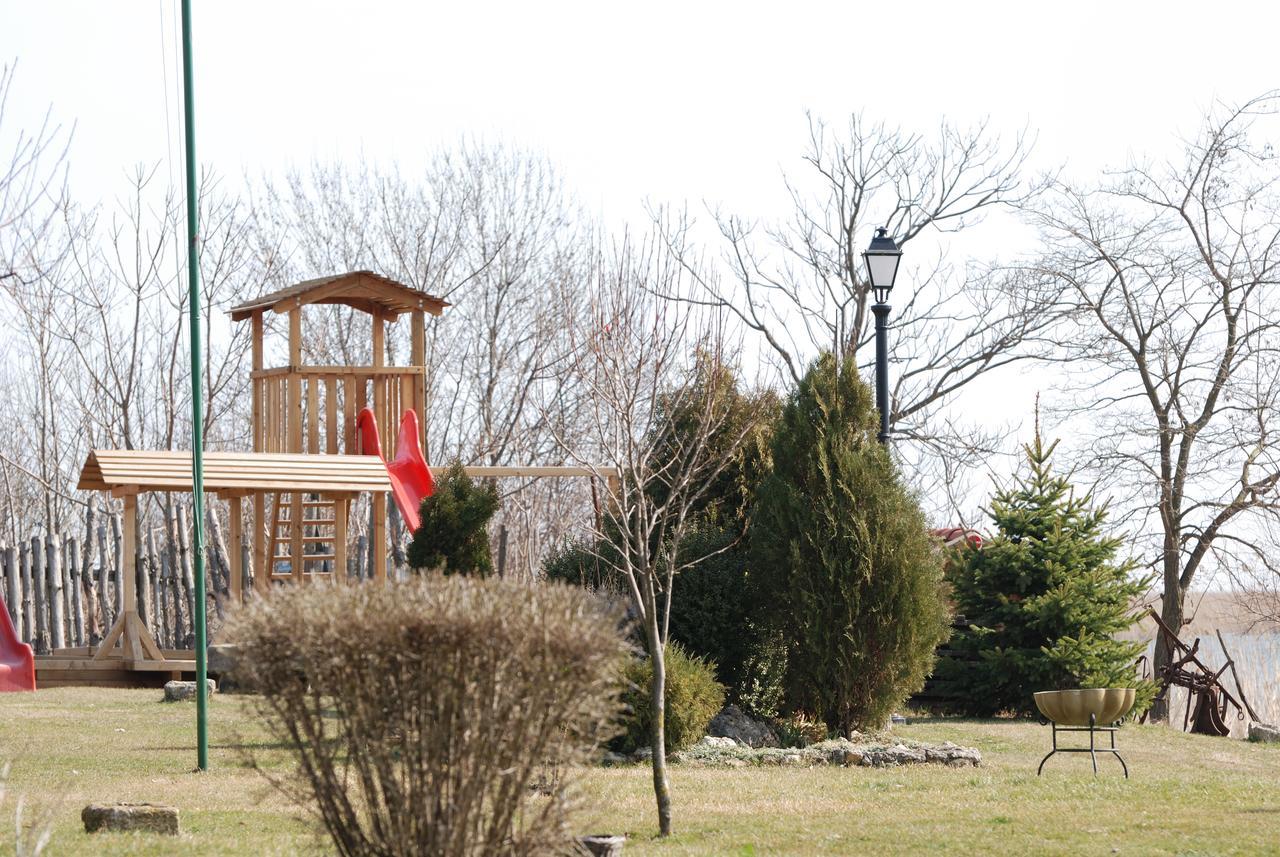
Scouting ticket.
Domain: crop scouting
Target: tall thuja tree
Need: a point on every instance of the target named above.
(843, 557)
(1045, 597)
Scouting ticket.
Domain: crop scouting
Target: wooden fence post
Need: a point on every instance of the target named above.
(39, 582)
(166, 620)
(13, 587)
(71, 557)
(246, 567)
(105, 601)
(116, 554)
(53, 575)
(188, 577)
(88, 587)
(218, 561)
(28, 594)
(155, 582)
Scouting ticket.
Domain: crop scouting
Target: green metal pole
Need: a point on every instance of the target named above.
(197, 417)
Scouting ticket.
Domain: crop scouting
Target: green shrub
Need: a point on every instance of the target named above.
(745, 430)
(580, 563)
(394, 698)
(454, 533)
(1045, 598)
(800, 730)
(693, 697)
(843, 559)
(713, 616)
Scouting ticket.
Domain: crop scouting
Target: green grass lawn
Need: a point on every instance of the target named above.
(1189, 795)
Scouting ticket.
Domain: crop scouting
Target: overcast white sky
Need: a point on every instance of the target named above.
(667, 102)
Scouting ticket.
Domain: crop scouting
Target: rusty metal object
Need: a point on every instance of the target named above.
(1205, 690)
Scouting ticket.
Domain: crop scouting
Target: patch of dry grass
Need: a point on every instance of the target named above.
(1189, 794)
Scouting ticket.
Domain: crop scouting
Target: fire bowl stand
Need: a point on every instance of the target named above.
(1093, 749)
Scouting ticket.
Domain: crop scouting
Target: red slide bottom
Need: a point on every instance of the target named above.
(410, 476)
(17, 663)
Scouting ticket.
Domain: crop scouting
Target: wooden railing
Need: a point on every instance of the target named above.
(312, 409)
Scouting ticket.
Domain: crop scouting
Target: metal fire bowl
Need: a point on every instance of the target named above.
(1073, 707)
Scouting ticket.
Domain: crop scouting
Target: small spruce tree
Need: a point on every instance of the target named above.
(454, 533)
(1045, 598)
(843, 558)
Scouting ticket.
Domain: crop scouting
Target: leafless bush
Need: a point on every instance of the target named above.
(424, 715)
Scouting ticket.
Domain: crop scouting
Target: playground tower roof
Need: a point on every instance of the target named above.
(362, 290)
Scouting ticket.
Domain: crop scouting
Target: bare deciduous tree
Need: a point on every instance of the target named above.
(638, 365)
(492, 229)
(1169, 274)
(802, 287)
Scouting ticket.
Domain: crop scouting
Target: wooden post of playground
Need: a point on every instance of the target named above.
(418, 358)
(378, 528)
(136, 642)
(261, 544)
(294, 420)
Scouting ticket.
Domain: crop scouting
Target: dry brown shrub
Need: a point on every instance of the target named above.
(424, 715)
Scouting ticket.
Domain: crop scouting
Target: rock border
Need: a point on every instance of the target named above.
(714, 752)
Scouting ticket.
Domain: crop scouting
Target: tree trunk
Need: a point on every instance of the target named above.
(657, 699)
(1171, 611)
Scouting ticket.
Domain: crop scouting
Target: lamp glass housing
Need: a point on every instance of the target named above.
(882, 258)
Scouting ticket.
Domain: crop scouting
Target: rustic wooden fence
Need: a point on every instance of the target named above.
(63, 589)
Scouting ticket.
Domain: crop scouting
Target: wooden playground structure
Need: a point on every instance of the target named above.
(300, 479)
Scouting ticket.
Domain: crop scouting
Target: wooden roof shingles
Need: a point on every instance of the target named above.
(362, 290)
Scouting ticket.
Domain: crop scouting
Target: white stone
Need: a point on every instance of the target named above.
(123, 817)
(1264, 732)
(180, 691)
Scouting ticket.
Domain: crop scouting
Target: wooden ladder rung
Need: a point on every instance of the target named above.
(284, 540)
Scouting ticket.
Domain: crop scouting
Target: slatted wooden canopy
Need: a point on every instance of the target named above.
(233, 472)
(238, 472)
(363, 290)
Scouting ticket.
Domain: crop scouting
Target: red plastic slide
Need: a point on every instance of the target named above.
(17, 663)
(410, 477)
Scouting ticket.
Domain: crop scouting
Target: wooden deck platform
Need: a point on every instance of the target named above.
(77, 667)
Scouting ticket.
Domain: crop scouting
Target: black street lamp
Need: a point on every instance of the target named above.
(882, 258)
